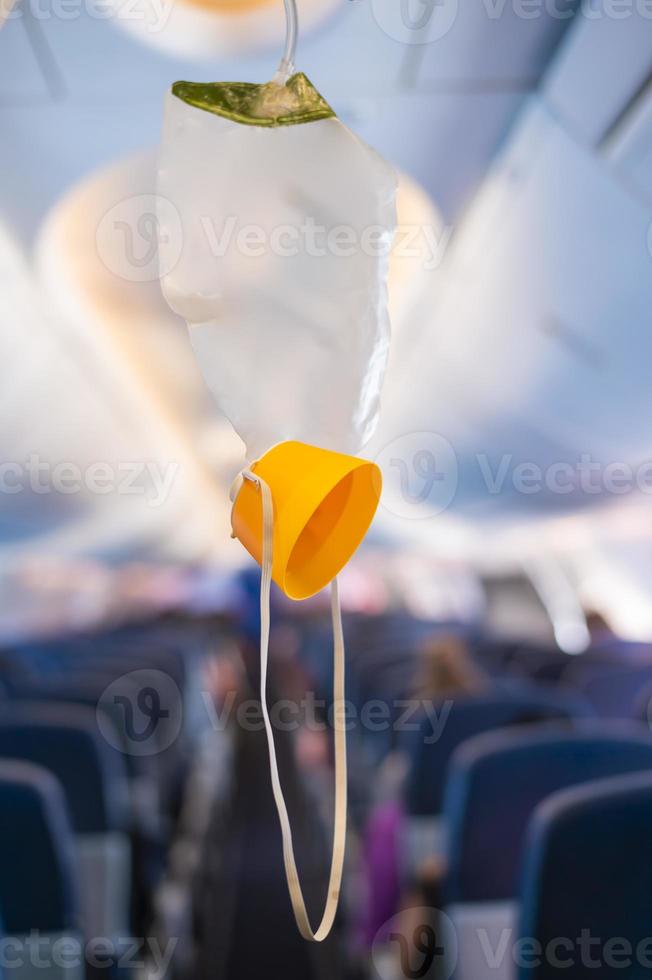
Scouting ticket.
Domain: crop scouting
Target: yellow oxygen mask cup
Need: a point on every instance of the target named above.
(324, 503)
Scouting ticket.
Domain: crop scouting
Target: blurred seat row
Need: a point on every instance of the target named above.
(531, 795)
(531, 802)
(96, 738)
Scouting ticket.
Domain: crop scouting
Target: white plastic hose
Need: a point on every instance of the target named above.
(286, 65)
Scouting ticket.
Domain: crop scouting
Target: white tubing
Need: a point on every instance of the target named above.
(286, 64)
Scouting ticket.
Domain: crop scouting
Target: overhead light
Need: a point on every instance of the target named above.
(231, 7)
(5, 9)
(130, 391)
(214, 28)
(419, 249)
(104, 282)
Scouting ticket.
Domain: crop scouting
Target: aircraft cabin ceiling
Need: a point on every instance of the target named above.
(80, 92)
(521, 324)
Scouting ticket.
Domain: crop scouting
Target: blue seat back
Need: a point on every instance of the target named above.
(614, 691)
(66, 740)
(643, 709)
(589, 867)
(497, 780)
(463, 719)
(86, 689)
(38, 887)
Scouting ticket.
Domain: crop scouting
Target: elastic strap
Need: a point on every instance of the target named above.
(339, 829)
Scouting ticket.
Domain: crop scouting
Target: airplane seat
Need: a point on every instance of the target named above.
(615, 650)
(16, 670)
(495, 782)
(87, 688)
(39, 898)
(125, 657)
(643, 708)
(65, 740)
(522, 659)
(181, 664)
(530, 659)
(431, 751)
(551, 669)
(147, 830)
(558, 697)
(383, 660)
(388, 640)
(576, 882)
(614, 654)
(113, 653)
(41, 657)
(169, 675)
(494, 653)
(614, 690)
(131, 680)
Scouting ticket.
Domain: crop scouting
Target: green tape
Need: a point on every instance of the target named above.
(298, 101)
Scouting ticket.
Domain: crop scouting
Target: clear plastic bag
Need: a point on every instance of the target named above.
(287, 220)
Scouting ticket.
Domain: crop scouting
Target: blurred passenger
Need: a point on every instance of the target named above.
(230, 859)
(244, 925)
(447, 671)
(600, 632)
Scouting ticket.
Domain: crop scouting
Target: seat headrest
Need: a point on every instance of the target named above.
(66, 740)
(461, 720)
(496, 781)
(38, 885)
(602, 832)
